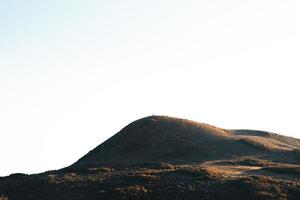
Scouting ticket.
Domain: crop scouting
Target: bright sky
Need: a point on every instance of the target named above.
(73, 73)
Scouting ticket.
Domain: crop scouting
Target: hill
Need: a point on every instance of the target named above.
(161, 157)
(168, 139)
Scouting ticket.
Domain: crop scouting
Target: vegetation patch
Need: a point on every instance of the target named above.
(247, 162)
(155, 165)
(132, 192)
(101, 170)
(283, 169)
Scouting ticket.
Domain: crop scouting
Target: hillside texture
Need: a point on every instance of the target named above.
(159, 138)
(160, 157)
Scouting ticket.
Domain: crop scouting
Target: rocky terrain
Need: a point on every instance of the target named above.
(160, 157)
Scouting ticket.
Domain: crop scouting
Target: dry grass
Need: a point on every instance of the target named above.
(177, 181)
(267, 143)
(247, 161)
(132, 192)
(101, 170)
(168, 139)
(283, 169)
(169, 158)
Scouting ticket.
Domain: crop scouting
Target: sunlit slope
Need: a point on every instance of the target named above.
(268, 140)
(160, 138)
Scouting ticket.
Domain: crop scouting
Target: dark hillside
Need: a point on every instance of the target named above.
(161, 157)
(159, 138)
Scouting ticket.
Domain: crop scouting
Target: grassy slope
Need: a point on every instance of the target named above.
(159, 138)
(200, 162)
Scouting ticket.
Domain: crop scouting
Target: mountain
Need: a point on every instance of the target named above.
(161, 157)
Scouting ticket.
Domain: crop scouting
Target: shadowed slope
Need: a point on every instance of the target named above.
(159, 138)
(168, 158)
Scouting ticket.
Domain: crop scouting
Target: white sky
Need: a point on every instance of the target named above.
(72, 74)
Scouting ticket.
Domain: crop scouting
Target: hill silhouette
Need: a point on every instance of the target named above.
(161, 157)
(168, 139)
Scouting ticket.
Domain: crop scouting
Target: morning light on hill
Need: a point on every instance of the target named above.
(152, 99)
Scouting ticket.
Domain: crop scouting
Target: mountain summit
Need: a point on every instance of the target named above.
(168, 139)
